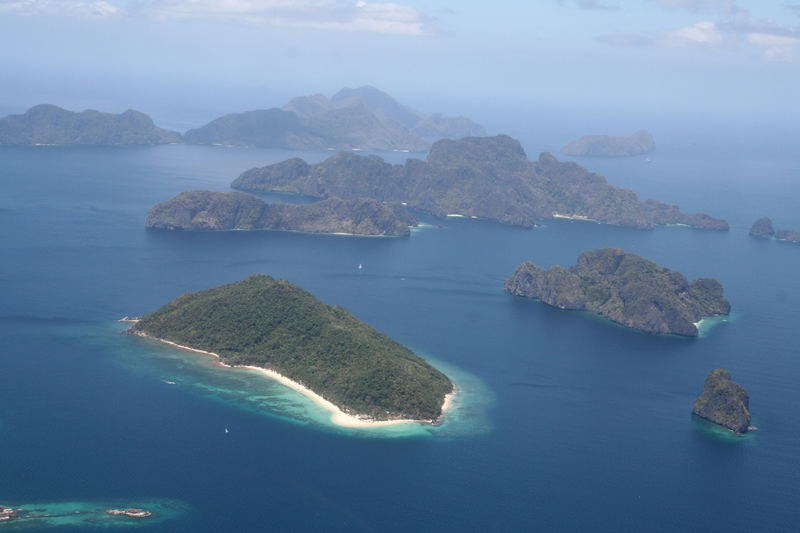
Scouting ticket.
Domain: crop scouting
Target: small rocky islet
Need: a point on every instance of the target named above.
(11, 514)
(724, 403)
(763, 228)
(207, 210)
(639, 143)
(625, 288)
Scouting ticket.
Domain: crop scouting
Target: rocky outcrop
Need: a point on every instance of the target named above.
(49, 124)
(626, 289)
(639, 143)
(485, 177)
(133, 512)
(206, 210)
(724, 402)
(763, 228)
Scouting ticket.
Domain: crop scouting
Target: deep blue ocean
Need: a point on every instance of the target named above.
(566, 422)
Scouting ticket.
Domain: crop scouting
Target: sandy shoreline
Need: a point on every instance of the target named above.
(338, 417)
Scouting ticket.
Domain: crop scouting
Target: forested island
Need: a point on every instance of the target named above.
(48, 124)
(484, 177)
(361, 118)
(763, 228)
(206, 210)
(639, 143)
(626, 289)
(271, 324)
(724, 402)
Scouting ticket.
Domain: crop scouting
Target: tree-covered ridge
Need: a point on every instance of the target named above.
(49, 124)
(273, 324)
(625, 288)
(486, 177)
(206, 210)
(364, 118)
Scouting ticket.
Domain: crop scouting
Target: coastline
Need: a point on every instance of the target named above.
(338, 416)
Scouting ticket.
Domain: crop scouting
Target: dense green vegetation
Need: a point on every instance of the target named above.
(273, 324)
(486, 177)
(625, 288)
(724, 402)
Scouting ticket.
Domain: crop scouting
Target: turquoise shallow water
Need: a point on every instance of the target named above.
(569, 423)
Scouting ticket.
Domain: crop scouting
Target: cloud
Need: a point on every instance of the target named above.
(704, 33)
(64, 8)
(376, 17)
(738, 31)
(595, 5)
(721, 6)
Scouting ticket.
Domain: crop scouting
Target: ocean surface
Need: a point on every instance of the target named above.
(565, 422)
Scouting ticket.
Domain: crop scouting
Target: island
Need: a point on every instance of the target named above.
(639, 143)
(624, 288)
(763, 228)
(724, 402)
(364, 118)
(51, 125)
(207, 210)
(481, 177)
(323, 351)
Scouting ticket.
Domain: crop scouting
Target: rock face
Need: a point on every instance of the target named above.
(639, 143)
(724, 402)
(363, 118)
(269, 323)
(48, 124)
(625, 288)
(486, 177)
(206, 210)
(763, 228)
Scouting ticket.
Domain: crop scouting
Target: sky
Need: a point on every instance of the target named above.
(188, 61)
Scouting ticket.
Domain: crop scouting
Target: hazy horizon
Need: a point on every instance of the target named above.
(583, 66)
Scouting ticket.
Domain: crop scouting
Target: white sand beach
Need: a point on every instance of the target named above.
(338, 416)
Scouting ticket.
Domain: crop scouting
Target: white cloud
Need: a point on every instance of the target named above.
(68, 8)
(702, 33)
(776, 47)
(360, 15)
(723, 6)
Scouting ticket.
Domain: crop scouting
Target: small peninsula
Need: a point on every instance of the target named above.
(625, 288)
(206, 210)
(724, 402)
(639, 143)
(363, 118)
(483, 177)
(318, 349)
(48, 124)
(763, 228)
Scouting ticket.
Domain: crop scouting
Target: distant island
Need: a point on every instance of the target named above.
(206, 210)
(639, 143)
(323, 351)
(626, 289)
(724, 402)
(364, 118)
(484, 177)
(763, 228)
(51, 125)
